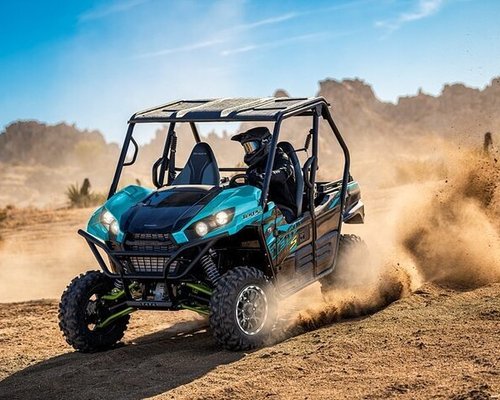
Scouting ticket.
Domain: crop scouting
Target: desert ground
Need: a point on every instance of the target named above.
(435, 343)
(422, 320)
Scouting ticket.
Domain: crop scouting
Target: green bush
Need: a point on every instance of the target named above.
(81, 196)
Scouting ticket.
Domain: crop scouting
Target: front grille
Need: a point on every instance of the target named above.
(157, 242)
(149, 242)
(148, 264)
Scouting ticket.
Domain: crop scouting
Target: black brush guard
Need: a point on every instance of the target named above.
(116, 257)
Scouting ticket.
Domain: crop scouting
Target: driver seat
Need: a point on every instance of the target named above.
(201, 168)
(299, 179)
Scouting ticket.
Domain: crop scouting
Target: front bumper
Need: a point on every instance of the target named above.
(119, 257)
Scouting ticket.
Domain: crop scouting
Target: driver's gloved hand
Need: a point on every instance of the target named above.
(255, 178)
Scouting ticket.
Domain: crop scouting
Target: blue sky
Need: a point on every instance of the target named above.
(94, 63)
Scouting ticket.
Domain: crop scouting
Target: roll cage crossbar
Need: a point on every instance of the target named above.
(268, 109)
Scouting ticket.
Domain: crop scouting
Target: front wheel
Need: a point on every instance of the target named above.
(243, 309)
(82, 310)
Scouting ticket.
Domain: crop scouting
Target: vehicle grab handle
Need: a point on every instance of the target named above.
(155, 172)
(306, 171)
(134, 156)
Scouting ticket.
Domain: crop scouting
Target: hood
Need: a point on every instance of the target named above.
(167, 210)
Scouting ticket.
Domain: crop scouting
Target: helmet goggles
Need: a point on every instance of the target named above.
(251, 146)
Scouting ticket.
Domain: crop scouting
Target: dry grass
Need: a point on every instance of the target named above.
(82, 197)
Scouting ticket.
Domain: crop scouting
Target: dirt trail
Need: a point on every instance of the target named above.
(436, 342)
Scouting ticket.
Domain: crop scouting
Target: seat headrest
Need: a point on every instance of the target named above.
(201, 168)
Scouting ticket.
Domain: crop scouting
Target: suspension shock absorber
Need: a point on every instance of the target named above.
(209, 267)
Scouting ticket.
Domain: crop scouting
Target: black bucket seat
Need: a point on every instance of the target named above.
(299, 179)
(201, 168)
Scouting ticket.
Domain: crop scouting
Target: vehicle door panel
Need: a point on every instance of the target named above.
(327, 222)
(294, 251)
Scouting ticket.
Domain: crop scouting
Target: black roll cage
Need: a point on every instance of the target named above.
(314, 107)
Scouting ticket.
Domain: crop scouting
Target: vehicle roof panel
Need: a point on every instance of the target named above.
(226, 109)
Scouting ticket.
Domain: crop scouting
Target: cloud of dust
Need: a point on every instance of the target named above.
(453, 233)
(303, 313)
(439, 225)
(41, 261)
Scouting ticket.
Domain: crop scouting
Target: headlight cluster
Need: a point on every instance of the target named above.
(208, 224)
(109, 222)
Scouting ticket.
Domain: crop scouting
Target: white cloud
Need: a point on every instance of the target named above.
(277, 43)
(225, 33)
(242, 49)
(267, 21)
(114, 8)
(182, 49)
(423, 9)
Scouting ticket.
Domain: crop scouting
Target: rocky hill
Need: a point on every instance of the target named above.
(35, 143)
(459, 112)
(38, 161)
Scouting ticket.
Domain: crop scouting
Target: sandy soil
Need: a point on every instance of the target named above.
(436, 343)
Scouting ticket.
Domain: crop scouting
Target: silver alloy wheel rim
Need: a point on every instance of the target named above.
(251, 309)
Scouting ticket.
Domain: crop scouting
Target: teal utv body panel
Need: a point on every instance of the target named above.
(244, 203)
(117, 205)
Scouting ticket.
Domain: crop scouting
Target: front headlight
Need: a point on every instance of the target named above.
(106, 218)
(201, 229)
(208, 224)
(114, 227)
(222, 218)
(109, 222)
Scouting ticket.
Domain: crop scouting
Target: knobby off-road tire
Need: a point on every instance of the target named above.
(232, 298)
(352, 257)
(74, 314)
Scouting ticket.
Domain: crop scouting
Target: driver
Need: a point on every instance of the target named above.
(256, 143)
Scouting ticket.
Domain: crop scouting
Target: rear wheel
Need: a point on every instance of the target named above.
(82, 310)
(243, 309)
(351, 258)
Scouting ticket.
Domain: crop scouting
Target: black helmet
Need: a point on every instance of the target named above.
(256, 142)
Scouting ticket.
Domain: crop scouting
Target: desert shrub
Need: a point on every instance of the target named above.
(81, 196)
(3, 215)
(3, 219)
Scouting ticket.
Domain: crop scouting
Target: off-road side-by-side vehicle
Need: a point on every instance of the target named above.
(216, 246)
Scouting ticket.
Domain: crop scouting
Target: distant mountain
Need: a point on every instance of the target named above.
(36, 143)
(38, 161)
(458, 112)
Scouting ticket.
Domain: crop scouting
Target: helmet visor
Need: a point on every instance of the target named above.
(252, 146)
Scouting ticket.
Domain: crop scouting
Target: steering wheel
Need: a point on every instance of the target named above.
(233, 182)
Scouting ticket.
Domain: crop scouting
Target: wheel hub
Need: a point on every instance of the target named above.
(251, 309)
(93, 312)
